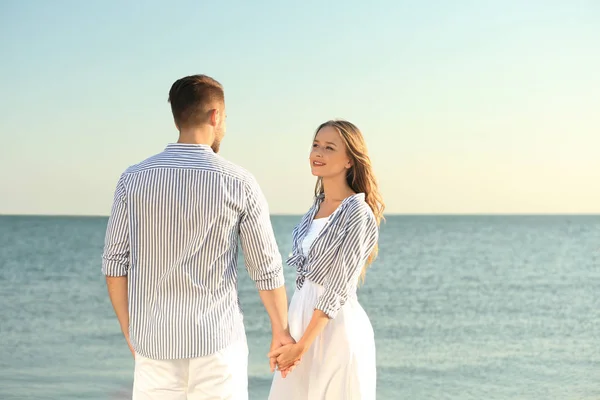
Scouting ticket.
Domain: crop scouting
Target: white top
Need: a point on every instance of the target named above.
(313, 231)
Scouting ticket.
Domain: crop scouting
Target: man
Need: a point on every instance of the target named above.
(170, 258)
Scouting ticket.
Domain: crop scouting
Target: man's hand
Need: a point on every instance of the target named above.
(281, 339)
(275, 302)
(130, 346)
(117, 291)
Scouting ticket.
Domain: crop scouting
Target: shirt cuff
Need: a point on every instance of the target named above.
(114, 268)
(330, 303)
(276, 280)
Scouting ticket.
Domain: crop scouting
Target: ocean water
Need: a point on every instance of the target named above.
(463, 307)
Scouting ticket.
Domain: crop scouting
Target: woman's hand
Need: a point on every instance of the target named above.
(288, 356)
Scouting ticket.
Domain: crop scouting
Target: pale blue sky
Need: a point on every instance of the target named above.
(467, 106)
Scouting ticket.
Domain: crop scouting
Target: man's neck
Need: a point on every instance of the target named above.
(196, 136)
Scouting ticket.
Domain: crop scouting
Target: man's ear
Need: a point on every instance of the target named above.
(214, 116)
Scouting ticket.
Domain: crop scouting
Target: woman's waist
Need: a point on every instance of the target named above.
(316, 288)
(311, 283)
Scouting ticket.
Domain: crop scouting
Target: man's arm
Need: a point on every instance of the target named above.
(115, 259)
(263, 262)
(117, 291)
(275, 302)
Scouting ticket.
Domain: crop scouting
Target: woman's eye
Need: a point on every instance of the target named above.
(329, 148)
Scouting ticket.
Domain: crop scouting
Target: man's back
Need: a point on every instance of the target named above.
(174, 231)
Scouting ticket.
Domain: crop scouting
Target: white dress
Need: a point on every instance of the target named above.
(340, 364)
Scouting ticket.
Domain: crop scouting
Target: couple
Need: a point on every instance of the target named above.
(170, 261)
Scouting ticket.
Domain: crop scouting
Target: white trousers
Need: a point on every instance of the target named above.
(219, 376)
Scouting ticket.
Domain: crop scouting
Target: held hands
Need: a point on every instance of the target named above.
(288, 356)
(280, 341)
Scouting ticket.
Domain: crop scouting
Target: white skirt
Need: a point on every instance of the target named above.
(340, 364)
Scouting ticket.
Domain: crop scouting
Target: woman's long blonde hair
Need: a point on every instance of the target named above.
(360, 176)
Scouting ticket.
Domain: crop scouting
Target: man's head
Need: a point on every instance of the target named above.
(198, 102)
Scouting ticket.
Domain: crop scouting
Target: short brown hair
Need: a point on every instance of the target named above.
(193, 97)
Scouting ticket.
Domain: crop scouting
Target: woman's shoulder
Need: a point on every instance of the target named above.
(357, 210)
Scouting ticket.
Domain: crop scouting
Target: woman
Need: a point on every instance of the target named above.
(332, 246)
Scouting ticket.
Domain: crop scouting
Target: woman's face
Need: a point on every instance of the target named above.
(329, 157)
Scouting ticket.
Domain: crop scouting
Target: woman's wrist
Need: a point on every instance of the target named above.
(303, 345)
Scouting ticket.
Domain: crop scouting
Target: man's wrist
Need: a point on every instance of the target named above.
(125, 330)
(278, 330)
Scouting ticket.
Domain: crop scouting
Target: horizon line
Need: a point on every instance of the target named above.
(431, 214)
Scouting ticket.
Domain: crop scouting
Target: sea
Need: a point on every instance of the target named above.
(463, 307)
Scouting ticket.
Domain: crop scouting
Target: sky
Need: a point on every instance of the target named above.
(467, 107)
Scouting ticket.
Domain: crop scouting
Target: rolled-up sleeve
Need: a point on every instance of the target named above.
(261, 254)
(360, 235)
(115, 258)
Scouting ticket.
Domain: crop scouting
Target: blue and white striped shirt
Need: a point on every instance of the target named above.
(174, 229)
(338, 253)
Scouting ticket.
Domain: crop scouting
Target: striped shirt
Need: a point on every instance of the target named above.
(338, 253)
(174, 229)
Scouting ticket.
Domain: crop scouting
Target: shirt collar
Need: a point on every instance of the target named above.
(188, 147)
